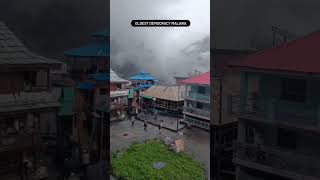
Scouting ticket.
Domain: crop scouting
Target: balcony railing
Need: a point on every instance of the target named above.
(279, 159)
(119, 93)
(275, 110)
(197, 96)
(25, 100)
(14, 142)
(198, 112)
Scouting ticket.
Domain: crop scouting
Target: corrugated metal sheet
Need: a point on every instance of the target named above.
(301, 56)
(114, 78)
(170, 93)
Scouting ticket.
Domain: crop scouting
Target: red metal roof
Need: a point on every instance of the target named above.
(202, 79)
(301, 55)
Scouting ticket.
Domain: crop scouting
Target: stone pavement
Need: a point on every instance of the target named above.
(197, 141)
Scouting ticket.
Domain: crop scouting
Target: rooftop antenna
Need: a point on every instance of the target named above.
(284, 34)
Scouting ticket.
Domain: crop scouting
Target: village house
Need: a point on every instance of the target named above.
(197, 101)
(89, 68)
(139, 83)
(27, 106)
(223, 121)
(167, 100)
(278, 119)
(118, 97)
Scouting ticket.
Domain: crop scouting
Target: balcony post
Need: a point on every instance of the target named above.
(243, 91)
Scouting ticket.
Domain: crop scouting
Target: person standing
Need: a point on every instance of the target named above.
(145, 124)
(160, 125)
(132, 120)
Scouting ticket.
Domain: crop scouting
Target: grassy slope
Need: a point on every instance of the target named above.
(137, 163)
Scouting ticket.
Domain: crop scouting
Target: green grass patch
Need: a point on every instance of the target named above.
(136, 163)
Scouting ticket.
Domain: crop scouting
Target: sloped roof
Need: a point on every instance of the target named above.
(202, 79)
(100, 76)
(96, 49)
(143, 76)
(170, 93)
(299, 56)
(114, 78)
(14, 53)
(86, 85)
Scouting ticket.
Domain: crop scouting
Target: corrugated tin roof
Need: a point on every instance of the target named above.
(13, 52)
(202, 79)
(143, 76)
(170, 93)
(96, 49)
(86, 85)
(114, 78)
(100, 76)
(300, 56)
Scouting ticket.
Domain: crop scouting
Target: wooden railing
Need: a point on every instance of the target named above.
(197, 96)
(277, 110)
(279, 159)
(197, 111)
(25, 98)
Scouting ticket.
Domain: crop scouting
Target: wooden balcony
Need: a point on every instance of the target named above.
(26, 101)
(198, 97)
(278, 161)
(197, 112)
(18, 142)
(119, 93)
(276, 112)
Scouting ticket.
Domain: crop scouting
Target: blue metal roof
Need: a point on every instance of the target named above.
(144, 86)
(100, 76)
(86, 85)
(143, 76)
(103, 33)
(97, 49)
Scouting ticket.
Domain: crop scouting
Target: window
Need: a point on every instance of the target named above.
(287, 138)
(199, 105)
(249, 135)
(294, 90)
(103, 91)
(201, 90)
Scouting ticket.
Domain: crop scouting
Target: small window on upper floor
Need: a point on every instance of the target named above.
(201, 90)
(294, 90)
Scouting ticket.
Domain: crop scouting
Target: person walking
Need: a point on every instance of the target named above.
(145, 124)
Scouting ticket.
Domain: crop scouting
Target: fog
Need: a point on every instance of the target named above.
(163, 51)
(49, 27)
(247, 23)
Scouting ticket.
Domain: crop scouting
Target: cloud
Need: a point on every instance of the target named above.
(159, 50)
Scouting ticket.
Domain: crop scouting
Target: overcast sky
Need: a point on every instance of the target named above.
(159, 49)
(247, 23)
